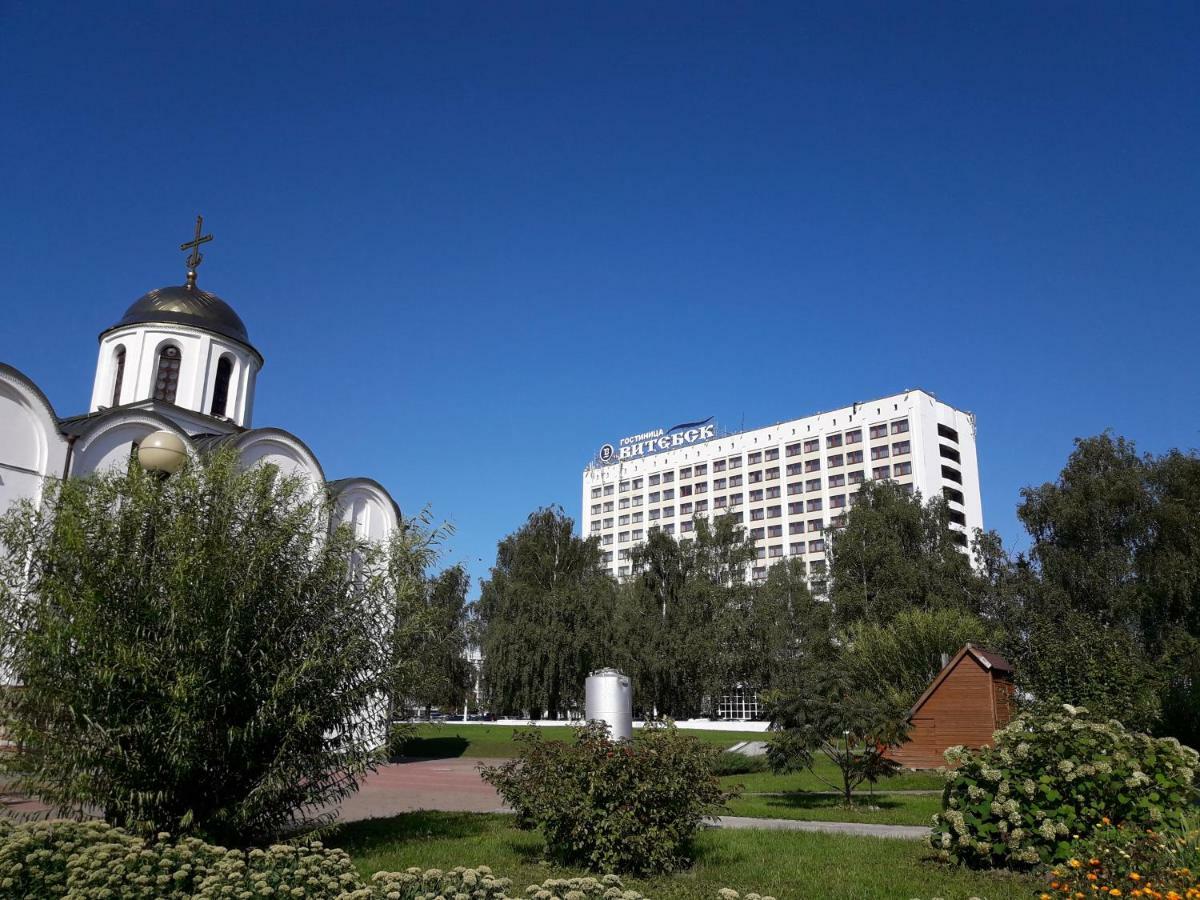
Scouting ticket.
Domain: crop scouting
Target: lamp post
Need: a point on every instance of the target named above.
(161, 453)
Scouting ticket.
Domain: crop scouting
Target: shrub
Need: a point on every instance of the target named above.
(1137, 863)
(1050, 779)
(624, 807)
(738, 764)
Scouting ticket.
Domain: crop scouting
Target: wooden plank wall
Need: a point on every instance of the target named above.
(960, 711)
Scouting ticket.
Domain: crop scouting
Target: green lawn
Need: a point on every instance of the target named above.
(882, 809)
(768, 783)
(786, 865)
(496, 741)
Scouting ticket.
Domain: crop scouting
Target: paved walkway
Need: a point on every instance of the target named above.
(903, 832)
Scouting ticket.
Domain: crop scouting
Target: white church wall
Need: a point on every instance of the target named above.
(31, 446)
(111, 443)
(363, 505)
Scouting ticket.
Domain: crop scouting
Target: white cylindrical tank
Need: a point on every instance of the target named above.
(608, 698)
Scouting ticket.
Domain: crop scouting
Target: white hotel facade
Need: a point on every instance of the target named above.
(786, 483)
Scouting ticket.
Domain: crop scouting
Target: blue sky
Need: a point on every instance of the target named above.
(475, 241)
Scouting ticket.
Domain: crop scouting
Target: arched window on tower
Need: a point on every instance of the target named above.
(119, 377)
(166, 381)
(221, 386)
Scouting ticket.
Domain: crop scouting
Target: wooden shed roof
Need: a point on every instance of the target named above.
(992, 662)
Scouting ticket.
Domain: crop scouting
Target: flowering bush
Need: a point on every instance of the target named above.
(1052, 779)
(1118, 862)
(608, 806)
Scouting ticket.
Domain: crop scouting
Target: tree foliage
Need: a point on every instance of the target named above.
(546, 614)
(197, 655)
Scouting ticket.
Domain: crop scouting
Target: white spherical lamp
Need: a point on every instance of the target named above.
(162, 453)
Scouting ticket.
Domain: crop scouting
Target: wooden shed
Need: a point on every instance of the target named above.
(968, 700)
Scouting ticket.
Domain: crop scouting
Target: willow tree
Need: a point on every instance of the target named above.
(202, 654)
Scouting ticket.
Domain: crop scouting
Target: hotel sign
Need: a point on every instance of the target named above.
(658, 440)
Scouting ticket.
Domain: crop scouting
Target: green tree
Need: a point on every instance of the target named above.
(197, 655)
(546, 616)
(896, 553)
(831, 716)
(445, 677)
(901, 658)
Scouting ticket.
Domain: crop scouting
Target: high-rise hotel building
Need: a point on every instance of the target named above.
(787, 483)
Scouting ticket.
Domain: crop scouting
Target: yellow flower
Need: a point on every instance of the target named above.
(1074, 863)
(1134, 876)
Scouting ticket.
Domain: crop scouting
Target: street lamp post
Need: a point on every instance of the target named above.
(161, 453)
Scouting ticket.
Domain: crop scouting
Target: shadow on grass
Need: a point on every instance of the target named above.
(374, 835)
(442, 747)
(806, 800)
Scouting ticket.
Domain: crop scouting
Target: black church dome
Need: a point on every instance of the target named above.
(183, 305)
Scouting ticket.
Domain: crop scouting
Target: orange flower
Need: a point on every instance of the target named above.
(1134, 876)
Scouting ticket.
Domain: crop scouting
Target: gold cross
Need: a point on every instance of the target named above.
(196, 257)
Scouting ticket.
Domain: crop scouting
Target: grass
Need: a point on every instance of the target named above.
(496, 741)
(769, 783)
(883, 809)
(786, 865)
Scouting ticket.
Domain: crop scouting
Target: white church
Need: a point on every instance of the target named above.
(179, 360)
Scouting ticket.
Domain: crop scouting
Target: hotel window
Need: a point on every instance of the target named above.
(623, 537)
(760, 552)
(834, 461)
(758, 573)
(735, 462)
(735, 480)
(901, 447)
(795, 509)
(793, 449)
(168, 374)
(754, 458)
(624, 504)
(608, 490)
(595, 492)
(608, 523)
(813, 484)
(608, 506)
(772, 454)
(854, 437)
(794, 488)
(813, 465)
(772, 473)
(796, 528)
(637, 534)
(685, 473)
(837, 502)
(720, 502)
(624, 486)
(776, 550)
(607, 540)
(907, 488)
(854, 456)
(608, 557)
(596, 525)
(701, 487)
(837, 480)
(817, 567)
(880, 452)
(637, 484)
(622, 554)
(817, 546)
(880, 472)
(756, 534)
(668, 511)
(949, 453)
(878, 431)
(756, 496)
(735, 499)
(668, 477)
(812, 446)
(833, 440)
(595, 509)
(637, 517)
(902, 468)
(655, 496)
(757, 515)
(669, 494)
(686, 526)
(900, 427)
(774, 512)
(669, 529)
(655, 479)
(719, 465)
(814, 504)
(795, 469)
(654, 514)
(637, 501)
(773, 492)
(701, 506)
(947, 432)
(774, 531)
(755, 477)
(623, 572)
(951, 494)
(685, 490)
(624, 520)
(838, 521)
(685, 509)
(735, 516)
(701, 469)
(815, 525)
(719, 484)
(796, 549)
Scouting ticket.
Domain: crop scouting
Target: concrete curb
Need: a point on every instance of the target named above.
(899, 832)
